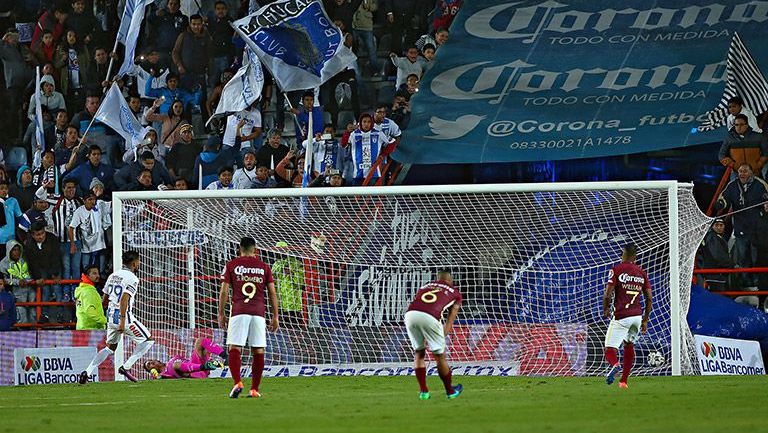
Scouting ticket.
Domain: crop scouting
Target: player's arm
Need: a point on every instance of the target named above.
(607, 298)
(124, 300)
(648, 306)
(451, 317)
(273, 324)
(223, 299)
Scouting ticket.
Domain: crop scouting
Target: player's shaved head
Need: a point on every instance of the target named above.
(129, 257)
(247, 244)
(445, 275)
(629, 252)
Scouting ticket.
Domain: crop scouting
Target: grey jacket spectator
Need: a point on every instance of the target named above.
(53, 100)
(16, 61)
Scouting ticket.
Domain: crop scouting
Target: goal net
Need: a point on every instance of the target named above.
(530, 260)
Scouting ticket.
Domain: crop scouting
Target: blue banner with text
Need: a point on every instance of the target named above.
(532, 80)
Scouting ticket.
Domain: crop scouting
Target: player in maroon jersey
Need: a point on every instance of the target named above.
(422, 321)
(625, 283)
(249, 278)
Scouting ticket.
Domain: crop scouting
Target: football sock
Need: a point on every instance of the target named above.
(98, 359)
(234, 364)
(189, 367)
(629, 359)
(258, 369)
(139, 351)
(212, 347)
(421, 376)
(447, 382)
(612, 356)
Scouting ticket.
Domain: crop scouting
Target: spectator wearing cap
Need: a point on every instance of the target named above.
(173, 121)
(245, 176)
(8, 214)
(48, 96)
(191, 53)
(35, 214)
(43, 254)
(273, 152)
(224, 181)
(84, 173)
(244, 128)
(713, 254)
(210, 160)
(736, 107)
(17, 61)
(24, 190)
(743, 145)
(180, 161)
(742, 196)
(89, 222)
(330, 178)
(127, 178)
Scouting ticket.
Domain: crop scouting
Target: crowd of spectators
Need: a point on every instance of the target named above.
(740, 241)
(58, 212)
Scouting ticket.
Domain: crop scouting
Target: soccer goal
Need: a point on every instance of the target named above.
(530, 259)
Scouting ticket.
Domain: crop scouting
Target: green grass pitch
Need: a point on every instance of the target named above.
(390, 404)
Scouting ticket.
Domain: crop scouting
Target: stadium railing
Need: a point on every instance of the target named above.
(720, 187)
(39, 304)
(734, 293)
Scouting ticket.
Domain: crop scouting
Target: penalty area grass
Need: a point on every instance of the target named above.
(391, 405)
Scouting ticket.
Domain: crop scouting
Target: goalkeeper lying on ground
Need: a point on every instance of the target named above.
(196, 367)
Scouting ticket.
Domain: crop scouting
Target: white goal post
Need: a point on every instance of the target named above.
(531, 261)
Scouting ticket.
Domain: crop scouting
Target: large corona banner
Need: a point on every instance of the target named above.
(532, 80)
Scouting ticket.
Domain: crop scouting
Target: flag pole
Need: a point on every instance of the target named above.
(114, 49)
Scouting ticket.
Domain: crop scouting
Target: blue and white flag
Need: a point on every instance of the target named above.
(297, 42)
(39, 134)
(242, 90)
(128, 33)
(115, 113)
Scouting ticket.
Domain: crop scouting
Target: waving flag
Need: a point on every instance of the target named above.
(128, 33)
(297, 42)
(114, 111)
(39, 134)
(743, 79)
(243, 89)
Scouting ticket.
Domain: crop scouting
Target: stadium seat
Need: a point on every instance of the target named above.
(16, 157)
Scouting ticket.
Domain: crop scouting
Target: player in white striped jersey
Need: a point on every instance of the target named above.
(385, 124)
(120, 289)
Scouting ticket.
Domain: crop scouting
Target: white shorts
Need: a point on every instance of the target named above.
(425, 330)
(245, 328)
(623, 330)
(135, 330)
